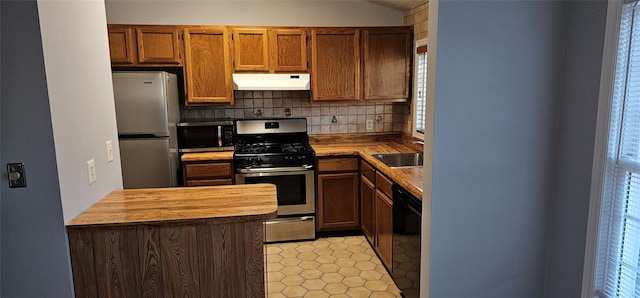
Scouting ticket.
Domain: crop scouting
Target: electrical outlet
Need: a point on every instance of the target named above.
(369, 125)
(109, 151)
(91, 170)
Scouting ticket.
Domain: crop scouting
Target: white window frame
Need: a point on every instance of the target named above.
(414, 102)
(599, 168)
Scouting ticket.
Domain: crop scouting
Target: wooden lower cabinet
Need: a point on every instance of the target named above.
(337, 198)
(198, 259)
(384, 228)
(367, 200)
(338, 201)
(207, 173)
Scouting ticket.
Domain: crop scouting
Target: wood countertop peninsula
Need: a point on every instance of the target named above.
(173, 242)
(249, 202)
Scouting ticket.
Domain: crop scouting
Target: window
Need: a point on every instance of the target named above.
(420, 91)
(617, 264)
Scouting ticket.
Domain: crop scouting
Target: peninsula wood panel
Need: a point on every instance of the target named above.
(251, 49)
(83, 264)
(172, 260)
(179, 257)
(254, 256)
(122, 47)
(288, 50)
(207, 65)
(335, 62)
(117, 262)
(159, 44)
(386, 63)
(150, 259)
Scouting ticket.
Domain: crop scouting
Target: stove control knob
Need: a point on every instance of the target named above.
(258, 160)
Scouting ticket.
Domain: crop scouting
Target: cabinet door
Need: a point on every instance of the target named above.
(288, 50)
(208, 71)
(122, 46)
(367, 208)
(335, 63)
(338, 202)
(158, 44)
(251, 49)
(384, 228)
(386, 61)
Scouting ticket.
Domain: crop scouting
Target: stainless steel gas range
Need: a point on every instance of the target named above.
(277, 151)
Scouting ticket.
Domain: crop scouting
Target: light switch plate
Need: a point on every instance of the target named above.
(91, 170)
(369, 126)
(109, 151)
(16, 174)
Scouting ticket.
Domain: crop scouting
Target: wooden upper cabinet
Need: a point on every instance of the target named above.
(335, 63)
(207, 65)
(288, 50)
(145, 45)
(270, 49)
(386, 63)
(251, 49)
(122, 45)
(159, 44)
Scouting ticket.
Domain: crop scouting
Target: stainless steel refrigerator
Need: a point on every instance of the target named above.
(147, 110)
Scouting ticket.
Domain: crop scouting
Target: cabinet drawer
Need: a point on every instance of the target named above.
(208, 182)
(367, 171)
(207, 170)
(342, 164)
(384, 184)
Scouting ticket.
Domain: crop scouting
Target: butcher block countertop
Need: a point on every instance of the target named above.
(208, 156)
(229, 203)
(410, 178)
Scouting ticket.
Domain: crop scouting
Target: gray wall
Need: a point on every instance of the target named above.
(568, 217)
(34, 253)
(498, 85)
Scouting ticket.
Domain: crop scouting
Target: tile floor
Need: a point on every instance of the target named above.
(327, 267)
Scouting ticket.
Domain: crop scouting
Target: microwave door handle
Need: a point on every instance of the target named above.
(219, 135)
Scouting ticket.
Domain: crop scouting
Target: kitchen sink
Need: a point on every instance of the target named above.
(399, 160)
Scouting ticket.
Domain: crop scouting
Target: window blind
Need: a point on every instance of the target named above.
(618, 265)
(421, 89)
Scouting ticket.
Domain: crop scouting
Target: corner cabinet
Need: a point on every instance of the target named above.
(270, 49)
(335, 64)
(150, 45)
(207, 65)
(386, 63)
(337, 200)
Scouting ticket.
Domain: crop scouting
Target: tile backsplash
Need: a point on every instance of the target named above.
(322, 118)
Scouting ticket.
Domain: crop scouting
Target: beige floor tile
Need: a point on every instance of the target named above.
(376, 285)
(336, 288)
(314, 284)
(317, 294)
(358, 292)
(335, 267)
(311, 273)
(332, 277)
(293, 280)
(294, 291)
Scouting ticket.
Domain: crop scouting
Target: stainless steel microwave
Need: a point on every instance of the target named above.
(205, 136)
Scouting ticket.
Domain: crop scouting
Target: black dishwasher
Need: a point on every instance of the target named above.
(407, 221)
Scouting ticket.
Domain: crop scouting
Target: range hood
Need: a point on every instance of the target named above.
(270, 81)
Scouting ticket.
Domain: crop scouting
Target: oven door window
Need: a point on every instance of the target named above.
(291, 189)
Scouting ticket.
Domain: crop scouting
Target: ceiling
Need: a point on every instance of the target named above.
(403, 5)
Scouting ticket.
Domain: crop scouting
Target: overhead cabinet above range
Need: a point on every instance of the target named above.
(261, 49)
(145, 45)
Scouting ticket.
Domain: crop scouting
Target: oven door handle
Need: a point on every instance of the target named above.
(274, 170)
